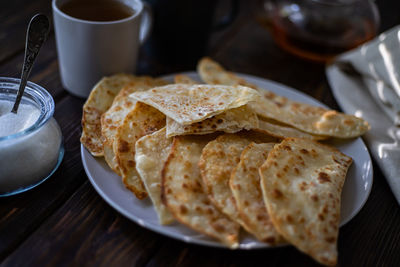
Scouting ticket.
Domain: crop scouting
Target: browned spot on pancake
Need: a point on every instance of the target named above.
(187, 164)
(131, 163)
(330, 239)
(219, 227)
(303, 186)
(314, 198)
(323, 177)
(197, 184)
(325, 209)
(269, 95)
(286, 168)
(123, 147)
(183, 209)
(260, 217)
(348, 122)
(304, 151)
(206, 202)
(277, 194)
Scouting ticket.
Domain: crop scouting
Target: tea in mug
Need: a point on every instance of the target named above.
(97, 10)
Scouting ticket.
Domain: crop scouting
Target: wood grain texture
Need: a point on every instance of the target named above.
(14, 17)
(259, 56)
(373, 234)
(80, 235)
(21, 214)
(44, 72)
(64, 222)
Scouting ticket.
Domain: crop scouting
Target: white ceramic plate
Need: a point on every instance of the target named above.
(110, 187)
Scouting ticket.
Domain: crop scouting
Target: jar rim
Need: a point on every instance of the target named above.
(33, 92)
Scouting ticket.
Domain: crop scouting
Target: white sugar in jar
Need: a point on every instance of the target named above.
(31, 145)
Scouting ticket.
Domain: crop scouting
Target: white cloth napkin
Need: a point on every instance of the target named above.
(375, 96)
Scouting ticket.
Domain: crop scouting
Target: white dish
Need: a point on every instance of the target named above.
(110, 187)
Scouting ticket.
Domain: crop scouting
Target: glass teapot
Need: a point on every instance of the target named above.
(318, 30)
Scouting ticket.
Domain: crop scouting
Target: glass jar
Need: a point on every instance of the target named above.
(319, 30)
(29, 156)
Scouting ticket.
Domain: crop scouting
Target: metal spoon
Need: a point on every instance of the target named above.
(36, 34)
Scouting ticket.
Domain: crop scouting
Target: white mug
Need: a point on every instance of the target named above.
(89, 50)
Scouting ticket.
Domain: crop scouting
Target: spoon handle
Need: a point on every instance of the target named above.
(37, 32)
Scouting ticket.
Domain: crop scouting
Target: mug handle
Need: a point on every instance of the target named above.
(146, 23)
(228, 18)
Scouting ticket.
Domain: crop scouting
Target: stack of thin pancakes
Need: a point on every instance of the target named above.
(225, 155)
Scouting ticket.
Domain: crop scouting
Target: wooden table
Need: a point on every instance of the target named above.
(65, 222)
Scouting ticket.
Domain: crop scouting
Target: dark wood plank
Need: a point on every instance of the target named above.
(15, 16)
(221, 37)
(175, 253)
(21, 214)
(44, 72)
(260, 56)
(372, 237)
(65, 222)
(86, 231)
